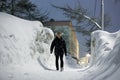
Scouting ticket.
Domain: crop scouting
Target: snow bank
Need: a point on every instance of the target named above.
(22, 41)
(24, 52)
(105, 56)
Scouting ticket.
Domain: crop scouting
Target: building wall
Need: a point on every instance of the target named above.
(66, 34)
(74, 42)
(69, 35)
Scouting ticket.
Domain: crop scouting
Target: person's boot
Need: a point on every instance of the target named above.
(57, 69)
(61, 69)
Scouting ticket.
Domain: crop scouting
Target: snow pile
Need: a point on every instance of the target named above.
(22, 41)
(105, 56)
(25, 54)
(24, 51)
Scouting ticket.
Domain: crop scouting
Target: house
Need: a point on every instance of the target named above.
(69, 35)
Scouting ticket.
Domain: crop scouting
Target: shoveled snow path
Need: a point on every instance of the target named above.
(38, 72)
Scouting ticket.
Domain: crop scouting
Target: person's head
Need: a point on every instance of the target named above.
(59, 34)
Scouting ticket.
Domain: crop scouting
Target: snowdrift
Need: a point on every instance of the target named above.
(23, 41)
(105, 61)
(24, 52)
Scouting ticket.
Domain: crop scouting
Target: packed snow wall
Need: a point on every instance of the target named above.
(22, 42)
(105, 51)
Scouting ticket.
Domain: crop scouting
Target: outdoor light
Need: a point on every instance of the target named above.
(88, 55)
(82, 62)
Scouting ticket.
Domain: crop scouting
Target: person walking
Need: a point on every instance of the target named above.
(60, 49)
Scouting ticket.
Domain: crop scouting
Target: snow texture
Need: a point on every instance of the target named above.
(25, 54)
(21, 40)
(105, 55)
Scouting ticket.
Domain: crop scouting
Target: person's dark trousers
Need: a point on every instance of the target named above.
(57, 61)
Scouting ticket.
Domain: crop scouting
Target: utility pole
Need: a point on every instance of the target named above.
(102, 14)
(12, 7)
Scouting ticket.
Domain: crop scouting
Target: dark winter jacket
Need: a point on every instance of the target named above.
(59, 45)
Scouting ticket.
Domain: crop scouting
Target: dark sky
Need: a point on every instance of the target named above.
(111, 8)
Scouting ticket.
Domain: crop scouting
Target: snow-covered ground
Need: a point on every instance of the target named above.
(25, 55)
